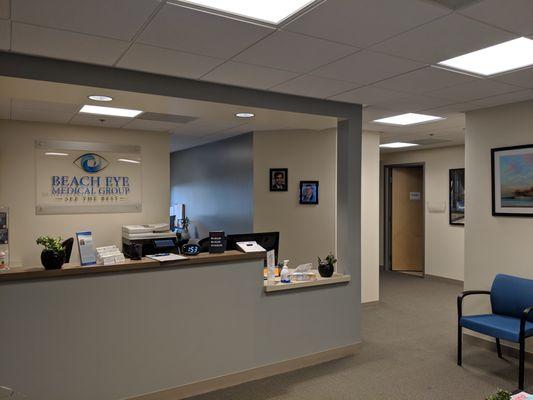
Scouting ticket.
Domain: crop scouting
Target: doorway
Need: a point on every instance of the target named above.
(404, 219)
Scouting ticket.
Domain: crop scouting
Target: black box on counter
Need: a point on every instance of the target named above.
(217, 242)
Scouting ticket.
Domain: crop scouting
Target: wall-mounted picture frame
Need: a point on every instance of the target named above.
(308, 192)
(512, 181)
(279, 179)
(457, 196)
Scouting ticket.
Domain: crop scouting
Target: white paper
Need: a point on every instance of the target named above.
(166, 257)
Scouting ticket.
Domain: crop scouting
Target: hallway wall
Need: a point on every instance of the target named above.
(444, 246)
(494, 244)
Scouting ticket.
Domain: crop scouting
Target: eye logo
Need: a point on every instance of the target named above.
(91, 162)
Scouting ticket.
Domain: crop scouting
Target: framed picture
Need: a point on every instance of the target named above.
(512, 181)
(457, 196)
(308, 192)
(279, 179)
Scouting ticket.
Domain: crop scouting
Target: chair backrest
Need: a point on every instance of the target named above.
(510, 295)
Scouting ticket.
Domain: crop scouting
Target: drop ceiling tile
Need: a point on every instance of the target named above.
(198, 32)
(476, 89)
(144, 125)
(5, 34)
(314, 86)
(522, 78)
(167, 62)
(4, 9)
(23, 114)
(515, 97)
(248, 75)
(46, 106)
(366, 67)
(293, 52)
(447, 37)
(424, 80)
(515, 15)
(412, 103)
(369, 95)
(102, 121)
(450, 108)
(365, 22)
(118, 19)
(65, 45)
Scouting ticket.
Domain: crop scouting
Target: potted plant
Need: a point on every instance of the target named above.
(327, 267)
(500, 395)
(53, 254)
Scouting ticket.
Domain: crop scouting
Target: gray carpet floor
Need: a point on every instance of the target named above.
(408, 353)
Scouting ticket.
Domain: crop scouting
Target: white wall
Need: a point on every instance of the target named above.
(494, 244)
(306, 231)
(370, 217)
(17, 186)
(444, 245)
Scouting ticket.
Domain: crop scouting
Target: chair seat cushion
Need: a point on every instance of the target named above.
(498, 326)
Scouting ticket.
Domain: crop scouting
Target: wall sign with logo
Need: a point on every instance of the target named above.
(80, 177)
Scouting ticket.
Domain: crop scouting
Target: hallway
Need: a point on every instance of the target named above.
(408, 353)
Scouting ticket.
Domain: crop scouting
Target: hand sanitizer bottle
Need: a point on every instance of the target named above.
(285, 277)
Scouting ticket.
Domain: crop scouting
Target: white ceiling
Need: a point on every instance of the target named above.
(375, 52)
(30, 100)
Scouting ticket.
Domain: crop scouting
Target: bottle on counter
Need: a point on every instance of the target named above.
(285, 277)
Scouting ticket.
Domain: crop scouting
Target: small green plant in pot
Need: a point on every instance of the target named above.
(53, 254)
(327, 267)
(500, 395)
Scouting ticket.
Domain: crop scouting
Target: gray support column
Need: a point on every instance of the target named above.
(349, 139)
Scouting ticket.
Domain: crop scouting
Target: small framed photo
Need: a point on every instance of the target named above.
(512, 181)
(457, 196)
(308, 192)
(279, 179)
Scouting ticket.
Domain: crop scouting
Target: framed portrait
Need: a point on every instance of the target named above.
(279, 179)
(512, 181)
(308, 192)
(457, 196)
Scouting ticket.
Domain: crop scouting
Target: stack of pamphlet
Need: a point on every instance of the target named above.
(109, 255)
(522, 396)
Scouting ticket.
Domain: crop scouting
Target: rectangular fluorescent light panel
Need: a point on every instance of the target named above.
(503, 57)
(397, 145)
(408, 119)
(271, 11)
(111, 111)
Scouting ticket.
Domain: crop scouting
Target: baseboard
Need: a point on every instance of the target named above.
(237, 378)
(443, 279)
(370, 303)
(488, 343)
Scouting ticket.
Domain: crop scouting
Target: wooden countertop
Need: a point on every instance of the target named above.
(277, 286)
(19, 274)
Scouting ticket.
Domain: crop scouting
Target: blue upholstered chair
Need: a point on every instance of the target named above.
(511, 299)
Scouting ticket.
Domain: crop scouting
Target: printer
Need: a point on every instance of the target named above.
(154, 238)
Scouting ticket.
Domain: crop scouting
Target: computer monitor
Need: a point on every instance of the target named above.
(267, 240)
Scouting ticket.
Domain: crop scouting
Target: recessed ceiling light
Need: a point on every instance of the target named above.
(97, 97)
(408, 119)
(245, 115)
(271, 11)
(51, 153)
(503, 57)
(127, 160)
(397, 145)
(115, 112)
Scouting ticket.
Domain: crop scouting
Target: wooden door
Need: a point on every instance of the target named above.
(407, 219)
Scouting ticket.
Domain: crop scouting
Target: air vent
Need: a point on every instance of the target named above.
(426, 142)
(456, 4)
(176, 119)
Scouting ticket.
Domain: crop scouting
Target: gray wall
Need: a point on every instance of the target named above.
(215, 182)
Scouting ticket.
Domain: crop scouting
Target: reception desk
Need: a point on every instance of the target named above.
(149, 330)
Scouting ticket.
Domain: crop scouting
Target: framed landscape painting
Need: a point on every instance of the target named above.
(512, 181)
(457, 196)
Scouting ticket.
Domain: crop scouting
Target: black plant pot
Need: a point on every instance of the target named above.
(325, 270)
(52, 260)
